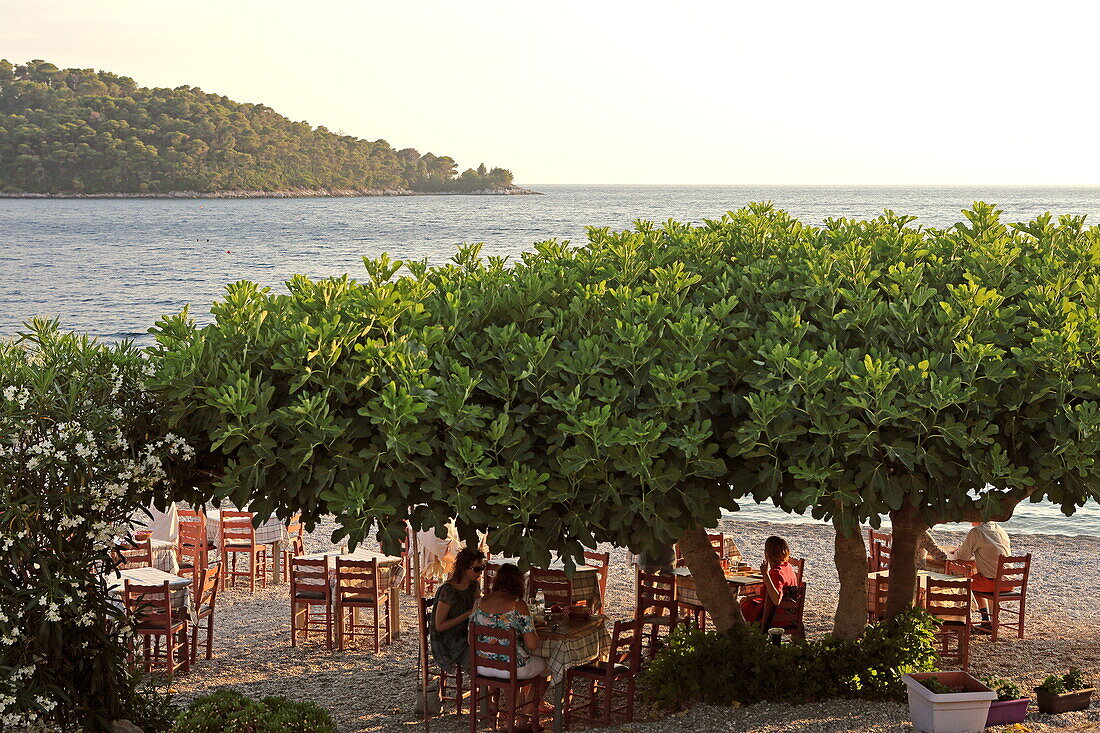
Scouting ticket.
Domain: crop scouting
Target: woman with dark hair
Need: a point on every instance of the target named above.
(504, 608)
(454, 602)
(778, 574)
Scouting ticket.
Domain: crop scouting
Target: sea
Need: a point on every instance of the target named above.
(112, 267)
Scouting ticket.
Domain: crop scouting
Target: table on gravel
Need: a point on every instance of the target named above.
(272, 532)
(386, 563)
(921, 575)
(570, 643)
(740, 584)
(180, 587)
(585, 581)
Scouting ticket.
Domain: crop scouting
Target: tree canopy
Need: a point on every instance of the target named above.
(86, 131)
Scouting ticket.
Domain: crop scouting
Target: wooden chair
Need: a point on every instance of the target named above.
(406, 567)
(599, 679)
(297, 544)
(656, 608)
(788, 613)
(431, 671)
(799, 565)
(190, 552)
(717, 541)
(882, 553)
(555, 586)
(206, 600)
(485, 641)
(238, 537)
(877, 590)
(959, 568)
(309, 591)
(359, 585)
(133, 554)
(876, 541)
(1009, 586)
(949, 601)
(150, 606)
(489, 575)
(601, 561)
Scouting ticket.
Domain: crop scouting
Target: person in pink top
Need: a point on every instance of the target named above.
(778, 574)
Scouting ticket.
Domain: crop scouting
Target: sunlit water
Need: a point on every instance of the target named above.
(112, 267)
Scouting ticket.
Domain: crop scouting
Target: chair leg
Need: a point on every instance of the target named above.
(1020, 630)
(995, 612)
(474, 689)
(630, 699)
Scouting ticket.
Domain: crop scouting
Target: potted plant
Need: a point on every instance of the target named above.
(1063, 694)
(1010, 705)
(948, 702)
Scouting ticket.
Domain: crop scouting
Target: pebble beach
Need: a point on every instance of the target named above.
(376, 692)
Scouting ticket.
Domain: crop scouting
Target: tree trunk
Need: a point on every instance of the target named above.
(850, 558)
(907, 531)
(710, 581)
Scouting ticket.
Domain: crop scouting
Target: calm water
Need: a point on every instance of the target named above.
(112, 267)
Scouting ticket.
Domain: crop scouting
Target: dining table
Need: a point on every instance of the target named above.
(568, 642)
(387, 564)
(180, 587)
(741, 583)
(585, 581)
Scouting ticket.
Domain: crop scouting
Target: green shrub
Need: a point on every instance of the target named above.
(230, 710)
(743, 667)
(1072, 680)
(1005, 689)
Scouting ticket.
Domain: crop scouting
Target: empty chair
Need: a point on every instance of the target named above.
(134, 554)
(238, 537)
(877, 590)
(310, 599)
(359, 587)
(601, 682)
(1009, 586)
(190, 552)
(555, 586)
(445, 680)
(206, 599)
(150, 606)
(949, 601)
(656, 608)
(600, 561)
(490, 573)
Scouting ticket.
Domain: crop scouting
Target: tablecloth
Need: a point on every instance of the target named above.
(685, 586)
(585, 581)
(180, 587)
(273, 531)
(588, 645)
(164, 556)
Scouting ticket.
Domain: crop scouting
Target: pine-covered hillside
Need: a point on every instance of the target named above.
(92, 132)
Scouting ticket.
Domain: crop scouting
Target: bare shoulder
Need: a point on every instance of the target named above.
(521, 607)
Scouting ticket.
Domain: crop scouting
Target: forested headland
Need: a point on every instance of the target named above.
(87, 132)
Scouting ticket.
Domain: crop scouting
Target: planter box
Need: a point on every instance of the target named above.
(1064, 702)
(1007, 712)
(956, 712)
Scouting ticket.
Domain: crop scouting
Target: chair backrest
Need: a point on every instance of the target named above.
(799, 565)
(133, 554)
(656, 594)
(878, 589)
(1012, 575)
(600, 561)
(207, 586)
(309, 576)
(357, 579)
(237, 529)
(554, 584)
(489, 575)
(626, 644)
(297, 532)
(958, 567)
(882, 555)
(192, 547)
(149, 605)
(486, 641)
(948, 600)
(787, 614)
(718, 542)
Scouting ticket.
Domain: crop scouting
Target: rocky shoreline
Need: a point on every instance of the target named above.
(292, 193)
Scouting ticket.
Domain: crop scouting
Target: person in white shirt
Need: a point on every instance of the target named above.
(984, 544)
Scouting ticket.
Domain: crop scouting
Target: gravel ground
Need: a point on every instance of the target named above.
(375, 692)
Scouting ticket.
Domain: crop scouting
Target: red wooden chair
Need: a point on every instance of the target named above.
(949, 601)
(878, 555)
(431, 671)
(238, 537)
(600, 679)
(1009, 586)
(489, 575)
(877, 590)
(788, 613)
(656, 608)
(134, 554)
(601, 561)
(190, 552)
(359, 585)
(151, 608)
(296, 545)
(959, 568)
(310, 600)
(555, 586)
(485, 641)
(206, 600)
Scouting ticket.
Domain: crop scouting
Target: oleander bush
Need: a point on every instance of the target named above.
(743, 667)
(80, 450)
(226, 710)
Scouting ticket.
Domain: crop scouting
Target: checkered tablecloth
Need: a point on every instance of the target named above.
(273, 531)
(685, 586)
(585, 582)
(164, 557)
(589, 644)
(180, 587)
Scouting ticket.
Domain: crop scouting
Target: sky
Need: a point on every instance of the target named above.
(633, 92)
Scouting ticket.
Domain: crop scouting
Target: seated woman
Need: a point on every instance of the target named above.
(454, 602)
(778, 574)
(502, 608)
